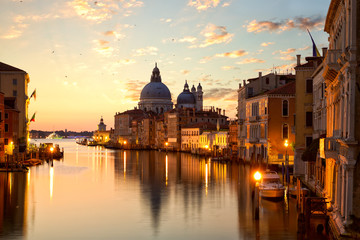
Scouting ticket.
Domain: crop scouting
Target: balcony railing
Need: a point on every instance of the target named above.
(332, 59)
(254, 118)
(253, 140)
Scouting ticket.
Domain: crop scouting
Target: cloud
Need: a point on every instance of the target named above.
(233, 54)
(301, 23)
(101, 47)
(220, 94)
(127, 61)
(226, 68)
(250, 60)
(188, 39)
(20, 23)
(115, 34)
(99, 11)
(185, 72)
(285, 55)
(215, 35)
(145, 51)
(202, 5)
(132, 89)
(265, 44)
(165, 20)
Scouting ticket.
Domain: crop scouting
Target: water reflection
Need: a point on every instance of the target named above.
(112, 194)
(13, 204)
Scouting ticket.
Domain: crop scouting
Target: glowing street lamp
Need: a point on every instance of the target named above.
(257, 177)
(51, 150)
(166, 144)
(286, 144)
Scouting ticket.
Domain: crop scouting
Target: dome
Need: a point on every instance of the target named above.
(186, 98)
(155, 90)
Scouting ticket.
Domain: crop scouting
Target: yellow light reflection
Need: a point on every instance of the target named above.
(124, 164)
(51, 182)
(28, 178)
(10, 182)
(206, 178)
(166, 169)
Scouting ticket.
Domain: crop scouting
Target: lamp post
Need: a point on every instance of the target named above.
(166, 146)
(257, 177)
(286, 144)
(52, 150)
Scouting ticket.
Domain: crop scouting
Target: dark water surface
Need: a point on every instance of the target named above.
(96, 193)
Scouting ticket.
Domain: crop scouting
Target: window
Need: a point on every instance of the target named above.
(6, 127)
(14, 81)
(250, 92)
(308, 141)
(309, 86)
(14, 93)
(6, 115)
(285, 131)
(309, 119)
(285, 108)
(6, 141)
(267, 80)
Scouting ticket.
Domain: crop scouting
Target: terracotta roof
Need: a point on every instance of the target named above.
(285, 89)
(7, 68)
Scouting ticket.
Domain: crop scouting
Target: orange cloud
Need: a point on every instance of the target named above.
(265, 44)
(233, 54)
(285, 25)
(250, 60)
(215, 35)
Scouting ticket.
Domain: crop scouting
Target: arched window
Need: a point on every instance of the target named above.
(285, 108)
(285, 131)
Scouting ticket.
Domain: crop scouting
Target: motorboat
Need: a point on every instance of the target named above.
(270, 186)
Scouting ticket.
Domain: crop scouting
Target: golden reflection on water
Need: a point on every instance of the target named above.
(206, 178)
(166, 169)
(51, 182)
(124, 165)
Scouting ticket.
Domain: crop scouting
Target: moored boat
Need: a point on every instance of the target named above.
(270, 186)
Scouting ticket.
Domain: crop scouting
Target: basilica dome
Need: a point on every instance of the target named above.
(155, 96)
(155, 90)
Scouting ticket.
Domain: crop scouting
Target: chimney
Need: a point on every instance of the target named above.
(298, 60)
(219, 111)
(260, 74)
(244, 83)
(239, 85)
(324, 51)
(224, 112)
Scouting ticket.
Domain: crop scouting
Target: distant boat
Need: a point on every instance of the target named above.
(54, 136)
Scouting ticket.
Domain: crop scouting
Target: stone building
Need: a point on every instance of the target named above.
(341, 148)
(14, 83)
(252, 88)
(101, 135)
(304, 110)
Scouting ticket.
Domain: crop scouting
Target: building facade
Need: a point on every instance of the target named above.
(14, 83)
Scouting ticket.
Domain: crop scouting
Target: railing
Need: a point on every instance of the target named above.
(253, 118)
(332, 57)
(253, 140)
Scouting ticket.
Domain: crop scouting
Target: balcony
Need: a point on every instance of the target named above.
(337, 134)
(332, 66)
(253, 140)
(254, 118)
(331, 148)
(332, 57)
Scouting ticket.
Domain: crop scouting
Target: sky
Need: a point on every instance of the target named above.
(91, 59)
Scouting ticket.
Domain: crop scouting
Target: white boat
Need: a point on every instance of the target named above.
(270, 186)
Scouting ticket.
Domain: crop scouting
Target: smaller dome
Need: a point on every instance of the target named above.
(193, 89)
(186, 98)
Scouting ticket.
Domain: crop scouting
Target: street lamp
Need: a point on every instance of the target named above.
(166, 146)
(257, 177)
(51, 150)
(286, 144)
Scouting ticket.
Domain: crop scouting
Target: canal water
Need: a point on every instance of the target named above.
(97, 193)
